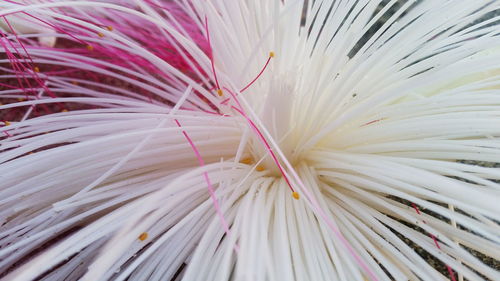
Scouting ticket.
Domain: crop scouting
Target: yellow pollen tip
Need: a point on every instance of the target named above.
(271, 54)
(36, 69)
(90, 47)
(64, 110)
(296, 195)
(6, 123)
(260, 168)
(20, 99)
(100, 34)
(109, 27)
(246, 161)
(219, 92)
(143, 236)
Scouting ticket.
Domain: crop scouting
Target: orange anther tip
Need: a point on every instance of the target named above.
(29, 153)
(109, 27)
(74, 82)
(6, 123)
(143, 236)
(271, 54)
(100, 34)
(219, 92)
(90, 47)
(260, 168)
(36, 69)
(64, 110)
(296, 195)
(246, 161)
(20, 99)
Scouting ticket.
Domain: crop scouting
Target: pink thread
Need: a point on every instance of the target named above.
(258, 75)
(209, 183)
(450, 271)
(268, 147)
(210, 50)
(234, 97)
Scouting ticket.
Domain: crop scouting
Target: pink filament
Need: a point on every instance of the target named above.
(450, 271)
(268, 147)
(210, 50)
(207, 179)
(258, 75)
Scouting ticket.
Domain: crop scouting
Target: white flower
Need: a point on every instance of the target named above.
(231, 140)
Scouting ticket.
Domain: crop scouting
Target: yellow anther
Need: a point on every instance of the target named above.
(109, 27)
(90, 47)
(259, 168)
(20, 99)
(247, 161)
(296, 195)
(36, 69)
(29, 153)
(143, 236)
(6, 123)
(219, 92)
(271, 54)
(64, 110)
(100, 34)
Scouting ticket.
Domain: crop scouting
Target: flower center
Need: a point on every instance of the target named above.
(275, 113)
